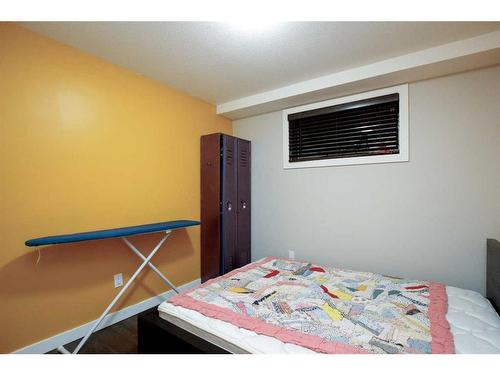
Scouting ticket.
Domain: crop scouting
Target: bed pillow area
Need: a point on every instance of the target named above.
(327, 309)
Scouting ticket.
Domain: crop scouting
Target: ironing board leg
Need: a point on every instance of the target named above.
(151, 265)
(118, 296)
(63, 350)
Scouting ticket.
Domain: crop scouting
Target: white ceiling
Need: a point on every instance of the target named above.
(219, 62)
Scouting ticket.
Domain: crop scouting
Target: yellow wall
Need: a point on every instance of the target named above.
(87, 145)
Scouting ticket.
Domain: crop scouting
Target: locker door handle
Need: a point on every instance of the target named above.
(229, 206)
(243, 204)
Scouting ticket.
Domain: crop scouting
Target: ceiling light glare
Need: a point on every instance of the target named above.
(252, 26)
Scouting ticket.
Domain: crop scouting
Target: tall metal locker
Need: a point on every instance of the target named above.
(225, 204)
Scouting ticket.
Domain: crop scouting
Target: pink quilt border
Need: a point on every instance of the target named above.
(442, 339)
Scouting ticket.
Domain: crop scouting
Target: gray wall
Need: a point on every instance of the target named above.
(426, 218)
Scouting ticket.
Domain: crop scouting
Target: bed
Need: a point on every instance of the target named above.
(281, 306)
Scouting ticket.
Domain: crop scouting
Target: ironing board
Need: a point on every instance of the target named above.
(122, 233)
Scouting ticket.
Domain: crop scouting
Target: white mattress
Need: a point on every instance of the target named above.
(474, 323)
(475, 326)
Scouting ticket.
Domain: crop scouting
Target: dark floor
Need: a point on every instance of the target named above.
(120, 338)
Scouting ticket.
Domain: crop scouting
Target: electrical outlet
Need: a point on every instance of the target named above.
(118, 280)
(291, 254)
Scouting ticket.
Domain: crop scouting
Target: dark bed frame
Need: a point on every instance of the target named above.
(493, 273)
(157, 336)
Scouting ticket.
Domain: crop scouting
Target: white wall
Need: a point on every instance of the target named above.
(426, 218)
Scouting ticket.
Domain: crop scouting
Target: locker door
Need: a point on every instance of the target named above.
(228, 203)
(210, 206)
(244, 204)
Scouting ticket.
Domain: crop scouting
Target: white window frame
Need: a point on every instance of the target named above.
(403, 135)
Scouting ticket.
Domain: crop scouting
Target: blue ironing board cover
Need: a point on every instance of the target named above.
(110, 233)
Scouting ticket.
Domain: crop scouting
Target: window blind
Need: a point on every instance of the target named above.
(361, 128)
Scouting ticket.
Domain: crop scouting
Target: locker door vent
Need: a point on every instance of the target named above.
(229, 156)
(243, 158)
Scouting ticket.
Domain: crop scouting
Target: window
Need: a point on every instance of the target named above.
(359, 129)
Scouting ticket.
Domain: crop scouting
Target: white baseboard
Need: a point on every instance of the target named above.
(66, 337)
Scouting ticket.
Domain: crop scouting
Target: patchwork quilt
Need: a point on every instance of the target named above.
(327, 309)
